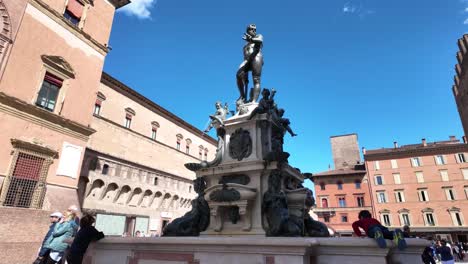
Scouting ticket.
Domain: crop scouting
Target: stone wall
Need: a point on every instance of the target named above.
(21, 234)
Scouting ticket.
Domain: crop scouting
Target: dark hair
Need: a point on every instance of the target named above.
(87, 220)
(364, 214)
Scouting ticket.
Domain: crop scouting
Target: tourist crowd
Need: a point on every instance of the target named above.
(68, 238)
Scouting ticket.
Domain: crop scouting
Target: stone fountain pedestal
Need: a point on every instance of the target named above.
(235, 187)
(250, 250)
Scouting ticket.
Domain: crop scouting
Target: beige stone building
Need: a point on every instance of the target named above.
(51, 58)
(133, 174)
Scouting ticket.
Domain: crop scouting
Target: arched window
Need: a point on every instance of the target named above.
(200, 151)
(206, 154)
(98, 104)
(188, 141)
(154, 129)
(155, 181)
(129, 114)
(179, 138)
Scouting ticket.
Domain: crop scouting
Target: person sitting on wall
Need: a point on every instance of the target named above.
(375, 230)
(84, 237)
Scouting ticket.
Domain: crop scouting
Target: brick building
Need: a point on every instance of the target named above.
(422, 185)
(460, 87)
(51, 58)
(133, 174)
(342, 192)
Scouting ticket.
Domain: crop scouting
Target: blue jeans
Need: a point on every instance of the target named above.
(387, 234)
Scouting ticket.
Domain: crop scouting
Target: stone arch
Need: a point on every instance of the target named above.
(96, 189)
(146, 198)
(165, 201)
(156, 199)
(174, 202)
(123, 195)
(111, 192)
(135, 197)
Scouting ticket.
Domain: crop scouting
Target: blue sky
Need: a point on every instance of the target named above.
(382, 69)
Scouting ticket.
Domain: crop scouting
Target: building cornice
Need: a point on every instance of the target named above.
(422, 151)
(129, 92)
(111, 158)
(28, 112)
(58, 18)
(17, 143)
(119, 3)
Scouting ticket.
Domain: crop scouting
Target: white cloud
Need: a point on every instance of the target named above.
(357, 8)
(139, 8)
(465, 22)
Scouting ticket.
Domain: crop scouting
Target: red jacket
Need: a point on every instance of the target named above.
(364, 223)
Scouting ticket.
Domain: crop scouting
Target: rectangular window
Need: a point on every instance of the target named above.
(74, 11)
(406, 220)
(178, 145)
(440, 160)
(422, 194)
(154, 132)
(49, 91)
(419, 176)
(360, 201)
(386, 219)
(444, 175)
(342, 201)
(394, 164)
(206, 155)
(449, 193)
(378, 180)
(344, 218)
(458, 220)
(97, 108)
(377, 165)
(128, 122)
(430, 219)
(465, 173)
(396, 178)
(357, 184)
(187, 150)
(416, 162)
(200, 155)
(339, 185)
(381, 197)
(461, 158)
(326, 218)
(322, 186)
(399, 197)
(24, 180)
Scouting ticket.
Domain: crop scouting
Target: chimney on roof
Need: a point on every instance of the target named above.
(424, 143)
(364, 150)
(395, 144)
(452, 138)
(464, 139)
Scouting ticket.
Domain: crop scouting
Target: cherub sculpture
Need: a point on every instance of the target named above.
(218, 118)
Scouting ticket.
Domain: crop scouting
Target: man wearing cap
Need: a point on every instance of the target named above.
(54, 219)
